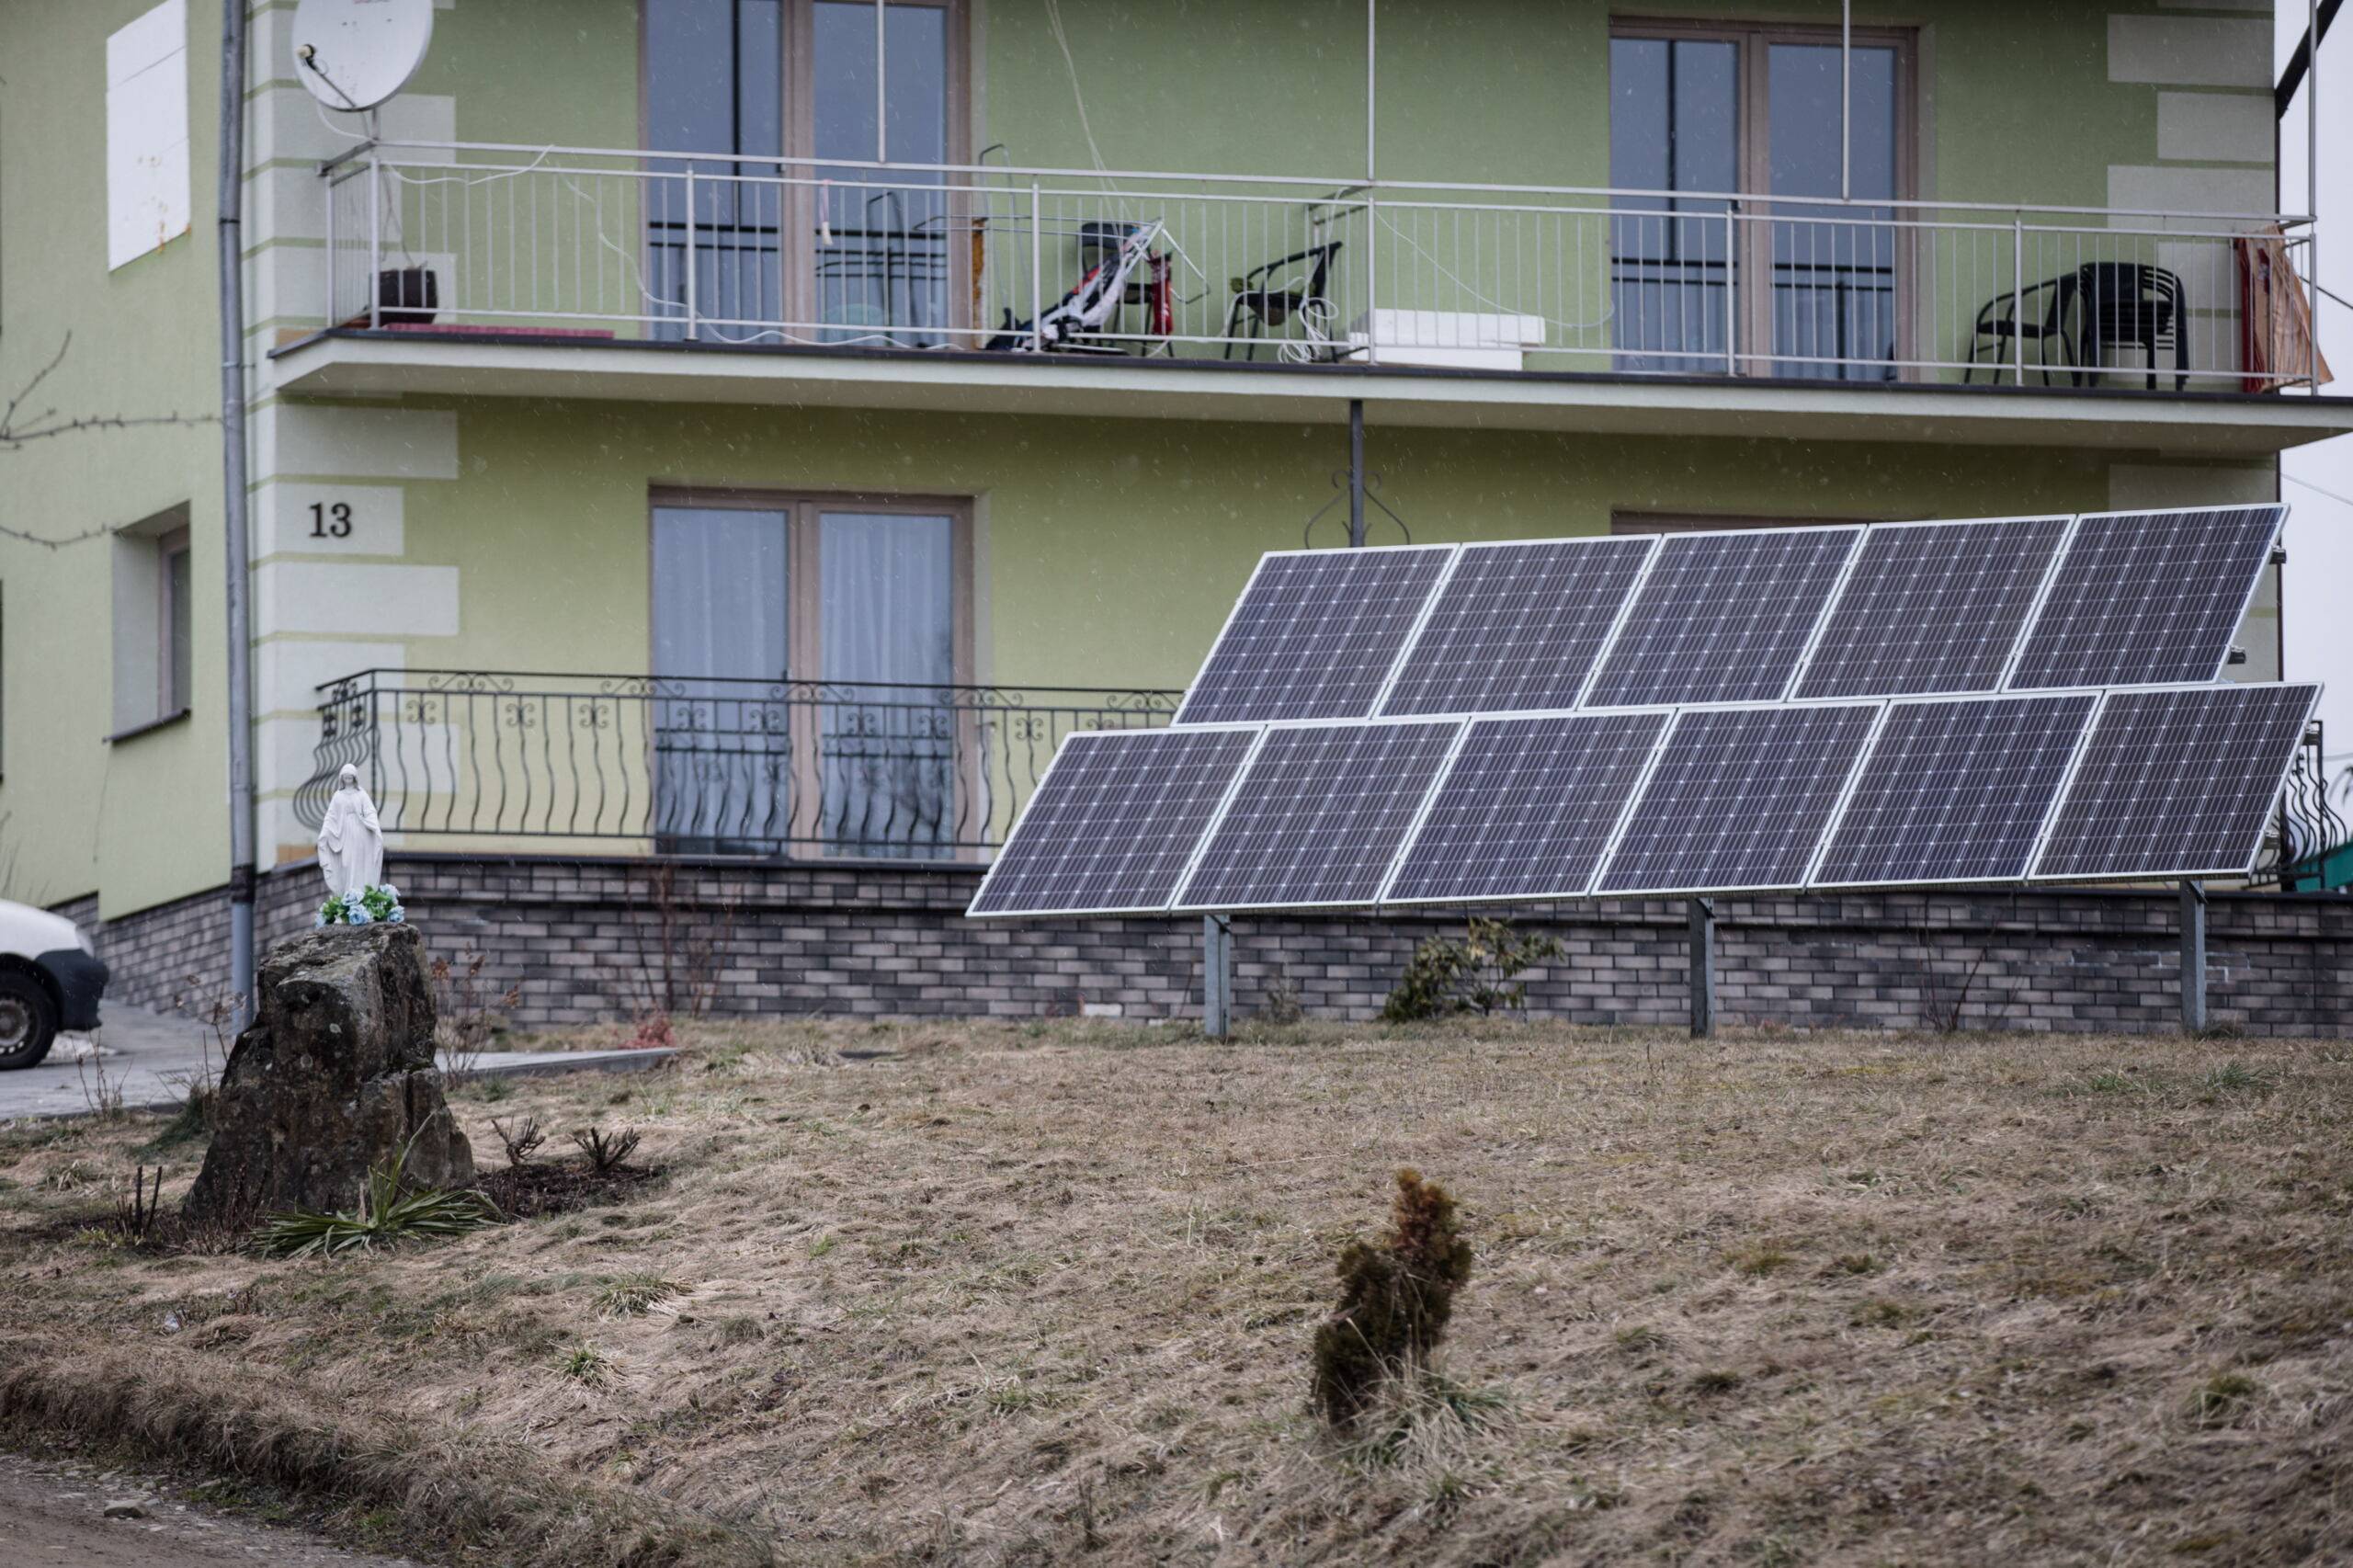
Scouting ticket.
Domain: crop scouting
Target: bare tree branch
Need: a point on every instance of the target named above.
(17, 425)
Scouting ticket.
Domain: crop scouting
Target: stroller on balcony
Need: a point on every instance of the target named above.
(1078, 321)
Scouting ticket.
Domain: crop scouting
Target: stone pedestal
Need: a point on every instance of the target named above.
(336, 1076)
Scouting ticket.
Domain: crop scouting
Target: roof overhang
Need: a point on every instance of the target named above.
(2219, 425)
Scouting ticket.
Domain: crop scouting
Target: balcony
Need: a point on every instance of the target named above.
(494, 760)
(493, 270)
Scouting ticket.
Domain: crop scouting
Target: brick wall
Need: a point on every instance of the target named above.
(584, 940)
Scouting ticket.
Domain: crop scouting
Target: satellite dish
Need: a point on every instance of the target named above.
(353, 54)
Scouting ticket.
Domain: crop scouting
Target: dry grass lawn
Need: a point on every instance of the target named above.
(1000, 1295)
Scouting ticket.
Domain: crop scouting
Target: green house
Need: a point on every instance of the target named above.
(758, 430)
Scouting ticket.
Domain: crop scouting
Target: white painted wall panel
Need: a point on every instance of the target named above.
(2190, 51)
(349, 520)
(2225, 126)
(356, 601)
(289, 671)
(2154, 187)
(147, 147)
(339, 442)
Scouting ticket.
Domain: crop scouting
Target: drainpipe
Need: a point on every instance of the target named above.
(233, 507)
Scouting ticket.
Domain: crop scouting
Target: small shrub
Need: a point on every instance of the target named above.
(586, 1364)
(2233, 1076)
(606, 1151)
(1478, 974)
(1397, 1296)
(654, 1033)
(1282, 1007)
(635, 1295)
(520, 1140)
(386, 1215)
(2223, 1400)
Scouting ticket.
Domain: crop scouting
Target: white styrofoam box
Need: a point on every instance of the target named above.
(147, 147)
(1466, 340)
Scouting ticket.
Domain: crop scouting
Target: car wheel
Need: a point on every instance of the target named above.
(27, 1020)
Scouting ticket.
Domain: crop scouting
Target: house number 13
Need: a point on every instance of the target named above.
(330, 520)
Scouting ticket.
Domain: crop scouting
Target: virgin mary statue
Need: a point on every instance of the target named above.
(351, 842)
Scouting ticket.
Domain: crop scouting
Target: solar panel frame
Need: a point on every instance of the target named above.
(972, 910)
(1657, 744)
(1815, 879)
(1877, 706)
(1192, 696)
(1184, 902)
(2270, 811)
(2075, 539)
(1646, 547)
(1796, 691)
(1597, 688)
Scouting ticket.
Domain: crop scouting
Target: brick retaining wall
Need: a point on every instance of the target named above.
(583, 940)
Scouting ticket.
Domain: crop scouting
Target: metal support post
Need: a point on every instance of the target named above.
(1356, 473)
(1217, 975)
(691, 267)
(2193, 958)
(1036, 271)
(1703, 968)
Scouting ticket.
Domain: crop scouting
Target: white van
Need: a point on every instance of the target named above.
(49, 980)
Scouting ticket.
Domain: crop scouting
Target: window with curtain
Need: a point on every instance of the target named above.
(1737, 115)
(844, 254)
(807, 652)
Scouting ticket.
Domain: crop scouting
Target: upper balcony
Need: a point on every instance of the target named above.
(500, 270)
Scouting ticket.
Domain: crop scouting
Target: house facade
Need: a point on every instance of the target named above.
(747, 434)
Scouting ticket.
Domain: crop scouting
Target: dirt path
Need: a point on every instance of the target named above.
(53, 1515)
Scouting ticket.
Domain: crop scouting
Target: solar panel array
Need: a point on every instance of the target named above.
(1764, 710)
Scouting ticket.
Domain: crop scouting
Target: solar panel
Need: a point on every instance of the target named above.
(1314, 634)
(1955, 791)
(1113, 824)
(1932, 608)
(1527, 808)
(2177, 783)
(2148, 597)
(1319, 816)
(1738, 798)
(1723, 617)
(1516, 626)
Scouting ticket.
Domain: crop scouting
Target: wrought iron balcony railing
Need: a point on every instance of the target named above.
(817, 769)
(718, 249)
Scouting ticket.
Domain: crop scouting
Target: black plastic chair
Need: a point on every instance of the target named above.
(2126, 305)
(1999, 324)
(1270, 296)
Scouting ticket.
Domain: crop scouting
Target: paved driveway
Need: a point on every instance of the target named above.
(148, 1057)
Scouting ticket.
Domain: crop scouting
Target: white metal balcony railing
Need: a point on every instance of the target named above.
(741, 251)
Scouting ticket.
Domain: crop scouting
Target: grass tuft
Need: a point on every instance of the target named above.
(386, 1215)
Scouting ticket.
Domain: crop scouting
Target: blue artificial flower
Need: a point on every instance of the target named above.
(399, 917)
(389, 892)
(319, 923)
(358, 916)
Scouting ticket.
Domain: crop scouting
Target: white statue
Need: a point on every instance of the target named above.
(351, 842)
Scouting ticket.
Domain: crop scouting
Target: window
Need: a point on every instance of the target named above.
(854, 256)
(147, 194)
(154, 620)
(1727, 276)
(807, 652)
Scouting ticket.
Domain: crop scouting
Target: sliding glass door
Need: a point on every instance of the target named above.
(1726, 276)
(808, 661)
(809, 251)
